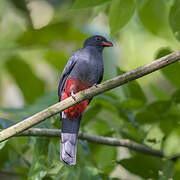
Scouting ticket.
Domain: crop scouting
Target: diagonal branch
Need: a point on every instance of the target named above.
(44, 132)
(86, 94)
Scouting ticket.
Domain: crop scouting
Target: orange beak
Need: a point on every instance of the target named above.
(107, 43)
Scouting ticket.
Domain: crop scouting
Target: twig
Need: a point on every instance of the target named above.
(86, 94)
(44, 132)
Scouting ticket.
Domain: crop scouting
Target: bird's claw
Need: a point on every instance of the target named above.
(73, 95)
(95, 85)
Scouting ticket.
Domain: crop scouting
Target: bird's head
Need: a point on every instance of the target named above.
(98, 41)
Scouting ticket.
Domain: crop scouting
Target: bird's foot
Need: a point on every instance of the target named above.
(95, 85)
(73, 95)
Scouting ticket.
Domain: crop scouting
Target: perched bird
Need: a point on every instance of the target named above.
(84, 69)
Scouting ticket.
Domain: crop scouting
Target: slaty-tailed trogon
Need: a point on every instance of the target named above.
(84, 69)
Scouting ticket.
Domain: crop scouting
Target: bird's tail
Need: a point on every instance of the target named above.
(69, 137)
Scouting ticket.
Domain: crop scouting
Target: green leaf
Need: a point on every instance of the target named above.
(120, 13)
(98, 127)
(154, 112)
(171, 144)
(12, 110)
(174, 16)
(163, 52)
(51, 154)
(105, 157)
(132, 95)
(91, 113)
(170, 120)
(167, 171)
(53, 162)
(65, 173)
(20, 4)
(41, 103)
(172, 71)
(176, 96)
(5, 123)
(38, 168)
(2, 144)
(154, 137)
(21, 171)
(130, 131)
(177, 170)
(143, 165)
(48, 34)
(99, 9)
(109, 103)
(159, 93)
(152, 14)
(89, 173)
(105, 101)
(48, 99)
(88, 3)
(31, 86)
(5, 156)
(57, 59)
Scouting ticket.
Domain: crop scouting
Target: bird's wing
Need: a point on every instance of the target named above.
(68, 68)
(100, 79)
(69, 128)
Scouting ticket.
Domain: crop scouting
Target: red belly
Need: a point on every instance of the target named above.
(75, 111)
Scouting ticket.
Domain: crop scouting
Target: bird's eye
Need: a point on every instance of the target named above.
(98, 38)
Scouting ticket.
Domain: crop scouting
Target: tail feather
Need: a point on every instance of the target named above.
(69, 136)
(68, 148)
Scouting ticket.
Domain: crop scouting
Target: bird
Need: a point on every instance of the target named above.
(84, 69)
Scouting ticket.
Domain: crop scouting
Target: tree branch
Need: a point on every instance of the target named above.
(86, 94)
(44, 132)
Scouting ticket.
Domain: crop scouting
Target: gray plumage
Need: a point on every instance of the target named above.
(86, 65)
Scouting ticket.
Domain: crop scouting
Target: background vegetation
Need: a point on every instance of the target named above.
(36, 39)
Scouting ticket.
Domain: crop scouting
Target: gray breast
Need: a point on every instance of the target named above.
(89, 67)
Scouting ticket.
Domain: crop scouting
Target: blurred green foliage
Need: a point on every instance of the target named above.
(120, 13)
(37, 38)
